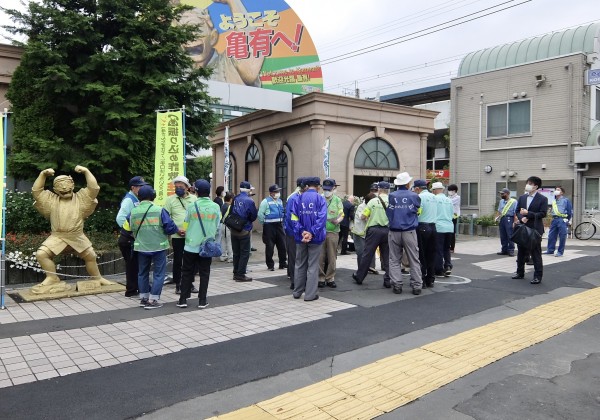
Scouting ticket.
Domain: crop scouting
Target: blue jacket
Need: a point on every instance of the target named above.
(402, 210)
(287, 222)
(309, 213)
(245, 207)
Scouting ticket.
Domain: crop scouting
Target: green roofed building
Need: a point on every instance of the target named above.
(530, 107)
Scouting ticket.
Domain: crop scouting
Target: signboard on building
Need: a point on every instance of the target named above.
(257, 43)
(592, 77)
(438, 173)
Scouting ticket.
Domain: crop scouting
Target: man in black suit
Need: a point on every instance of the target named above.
(531, 209)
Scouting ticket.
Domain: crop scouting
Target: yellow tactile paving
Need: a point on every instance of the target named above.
(383, 386)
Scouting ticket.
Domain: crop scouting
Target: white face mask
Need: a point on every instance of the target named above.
(277, 195)
(223, 194)
(528, 188)
(328, 193)
(451, 193)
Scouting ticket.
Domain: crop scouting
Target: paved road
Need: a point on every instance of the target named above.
(102, 357)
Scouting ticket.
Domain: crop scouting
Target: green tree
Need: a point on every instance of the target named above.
(92, 75)
(199, 168)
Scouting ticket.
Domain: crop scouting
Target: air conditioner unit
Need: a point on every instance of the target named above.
(441, 153)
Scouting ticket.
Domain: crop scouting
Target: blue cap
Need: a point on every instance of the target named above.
(146, 193)
(383, 185)
(312, 181)
(420, 183)
(137, 181)
(245, 184)
(329, 184)
(202, 186)
(274, 188)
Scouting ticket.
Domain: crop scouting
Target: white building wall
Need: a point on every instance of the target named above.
(560, 110)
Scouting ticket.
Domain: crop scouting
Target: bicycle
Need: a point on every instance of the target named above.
(586, 230)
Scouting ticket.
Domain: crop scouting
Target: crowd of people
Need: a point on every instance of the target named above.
(410, 225)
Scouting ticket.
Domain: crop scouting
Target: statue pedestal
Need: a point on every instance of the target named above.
(85, 287)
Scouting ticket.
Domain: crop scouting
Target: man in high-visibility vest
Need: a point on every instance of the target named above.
(505, 217)
(151, 226)
(562, 212)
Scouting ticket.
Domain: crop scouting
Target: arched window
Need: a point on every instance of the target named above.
(376, 153)
(252, 154)
(252, 170)
(281, 173)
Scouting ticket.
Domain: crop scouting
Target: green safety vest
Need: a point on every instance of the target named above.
(149, 236)
(507, 206)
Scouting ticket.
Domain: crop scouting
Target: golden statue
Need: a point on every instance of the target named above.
(67, 211)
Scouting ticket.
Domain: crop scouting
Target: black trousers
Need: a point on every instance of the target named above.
(453, 239)
(443, 260)
(344, 231)
(274, 236)
(192, 264)
(290, 242)
(536, 255)
(130, 256)
(241, 253)
(426, 234)
(178, 244)
(377, 236)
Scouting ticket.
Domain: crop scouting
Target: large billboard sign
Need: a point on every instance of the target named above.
(258, 43)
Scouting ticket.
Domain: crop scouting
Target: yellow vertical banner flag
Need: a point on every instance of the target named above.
(169, 155)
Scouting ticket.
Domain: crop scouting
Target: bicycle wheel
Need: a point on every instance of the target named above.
(585, 230)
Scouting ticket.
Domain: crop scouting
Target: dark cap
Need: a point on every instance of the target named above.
(374, 186)
(329, 184)
(299, 181)
(202, 186)
(274, 188)
(420, 183)
(245, 184)
(383, 185)
(313, 181)
(504, 190)
(137, 181)
(146, 193)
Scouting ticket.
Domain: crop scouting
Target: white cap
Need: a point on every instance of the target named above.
(437, 186)
(183, 179)
(402, 179)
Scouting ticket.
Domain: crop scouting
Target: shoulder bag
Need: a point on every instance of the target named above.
(526, 237)
(211, 247)
(233, 220)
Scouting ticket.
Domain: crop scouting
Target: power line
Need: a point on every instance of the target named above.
(409, 69)
(433, 63)
(400, 40)
(392, 25)
(449, 74)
